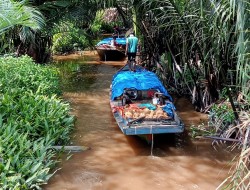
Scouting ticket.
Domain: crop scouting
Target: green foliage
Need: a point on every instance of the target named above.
(35, 114)
(99, 25)
(200, 130)
(26, 164)
(32, 119)
(108, 27)
(68, 38)
(221, 117)
(22, 75)
(210, 36)
(223, 112)
(17, 13)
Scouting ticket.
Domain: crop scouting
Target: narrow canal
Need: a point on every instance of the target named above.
(118, 162)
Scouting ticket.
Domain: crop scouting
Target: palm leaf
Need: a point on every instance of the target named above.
(14, 13)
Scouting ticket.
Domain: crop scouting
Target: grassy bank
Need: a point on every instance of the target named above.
(33, 118)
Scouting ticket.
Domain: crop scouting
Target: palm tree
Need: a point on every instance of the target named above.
(37, 43)
(203, 40)
(17, 14)
(200, 36)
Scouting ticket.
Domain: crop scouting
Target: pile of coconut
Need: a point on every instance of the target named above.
(134, 113)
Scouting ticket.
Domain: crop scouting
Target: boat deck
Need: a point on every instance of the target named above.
(143, 124)
(141, 105)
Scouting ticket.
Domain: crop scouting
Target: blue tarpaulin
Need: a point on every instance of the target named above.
(141, 80)
(119, 41)
(169, 107)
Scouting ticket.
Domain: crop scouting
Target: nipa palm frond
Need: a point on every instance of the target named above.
(14, 13)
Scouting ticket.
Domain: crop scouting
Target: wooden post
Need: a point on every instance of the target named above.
(71, 148)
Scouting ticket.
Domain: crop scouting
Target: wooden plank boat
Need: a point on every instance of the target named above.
(141, 105)
(108, 52)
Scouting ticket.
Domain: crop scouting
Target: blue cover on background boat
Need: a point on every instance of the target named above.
(120, 41)
(141, 80)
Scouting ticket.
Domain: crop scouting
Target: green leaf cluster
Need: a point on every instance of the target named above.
(20, 75)
(222, 112)
(17, 13)
(32, 119)
(68, 38)
(100, 25)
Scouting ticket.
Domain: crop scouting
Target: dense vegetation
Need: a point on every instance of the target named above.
(199, 48)
(32, 119)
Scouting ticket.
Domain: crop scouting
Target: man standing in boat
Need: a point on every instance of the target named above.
(131, 50)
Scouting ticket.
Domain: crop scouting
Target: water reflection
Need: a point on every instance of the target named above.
(77, 77)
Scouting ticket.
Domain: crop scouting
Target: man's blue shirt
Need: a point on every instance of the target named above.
(132, 44)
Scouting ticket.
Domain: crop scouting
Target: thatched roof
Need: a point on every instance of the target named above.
(110, 15)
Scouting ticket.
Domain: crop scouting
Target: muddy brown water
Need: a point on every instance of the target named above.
(118, 162)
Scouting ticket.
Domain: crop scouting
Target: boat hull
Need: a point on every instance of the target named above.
(110, 54)
(110, 50)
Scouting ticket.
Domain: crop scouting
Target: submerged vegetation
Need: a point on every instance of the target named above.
(32, 119)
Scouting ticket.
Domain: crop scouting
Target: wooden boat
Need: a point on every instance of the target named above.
(108, 52)
(141, 105)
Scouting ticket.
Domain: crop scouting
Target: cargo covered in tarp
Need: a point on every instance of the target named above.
(119, 41)
(140, 80)
(132, 101)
